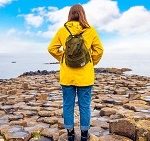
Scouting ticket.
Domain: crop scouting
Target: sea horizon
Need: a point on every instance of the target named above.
(13, 65)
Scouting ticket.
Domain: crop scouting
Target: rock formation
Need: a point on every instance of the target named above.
(31, 107)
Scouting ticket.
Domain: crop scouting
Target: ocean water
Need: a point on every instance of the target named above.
(139, 63)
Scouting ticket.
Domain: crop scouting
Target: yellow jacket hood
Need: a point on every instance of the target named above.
(75, 27)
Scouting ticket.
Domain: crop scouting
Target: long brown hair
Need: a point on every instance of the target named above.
(77, 13)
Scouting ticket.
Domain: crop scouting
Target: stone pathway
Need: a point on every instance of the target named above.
(31, 108)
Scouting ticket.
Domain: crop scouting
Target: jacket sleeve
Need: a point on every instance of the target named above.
(54, 47)
(96, 48)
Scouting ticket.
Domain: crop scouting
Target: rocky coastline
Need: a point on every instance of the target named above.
(31, 107)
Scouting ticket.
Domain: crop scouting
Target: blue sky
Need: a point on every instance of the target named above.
(9, 13)
(126, 4)
(28, 22)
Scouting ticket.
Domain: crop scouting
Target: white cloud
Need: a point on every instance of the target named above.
(40, 15)
(56, 18)
(5, 2)
(103, 14)
(34, 20)
(11, 32)
(40, 10)
(136, 20)
(51, 16)
(50, 32)
(16, 41)
(128, 45)
(107, 10)
(13, 44)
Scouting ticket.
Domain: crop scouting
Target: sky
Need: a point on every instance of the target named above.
(27, 26)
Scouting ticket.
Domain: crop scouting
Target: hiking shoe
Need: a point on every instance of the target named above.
(84, 135)
(70, 134)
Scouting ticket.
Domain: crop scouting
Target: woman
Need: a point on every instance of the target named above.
(77, 81)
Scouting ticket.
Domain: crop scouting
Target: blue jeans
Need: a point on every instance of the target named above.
(84, 102)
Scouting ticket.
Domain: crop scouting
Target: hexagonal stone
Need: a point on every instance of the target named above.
(114, 138)
(3, 97)
(15, 117)
(146, 98)
(12, 92)
(99, 106)
(4, 128)
(30, 108)
(45, 113)
(2, 139)
(49, 108)
(2, 113)
(120, 91)
(8, 108)
(96, 122)
(51, 132)
(49, 120)
(19, 122)
(140, 116)
(95, 113)
(123, 127)
(12, 97)
(60, 123)
(26, 113)
(34, 103)
(42, 138)
(137, 107)
(27, 98)
(143, 130)
(14, 128)
(42, 97)
(108, 100)
(18, 135)
(25, 86)
(92, 137)
(134, 96)
(58, 113)
(4, 121)
(107, 111)
(37, 128)
(10, 102)
(97, 131)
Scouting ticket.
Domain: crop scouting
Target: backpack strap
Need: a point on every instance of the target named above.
(67, 29)
(70, 34)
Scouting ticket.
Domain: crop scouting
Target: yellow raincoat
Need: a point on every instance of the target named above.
(83, 76)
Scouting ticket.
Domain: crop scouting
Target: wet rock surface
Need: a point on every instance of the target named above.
(114, 138)
(31, 107)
